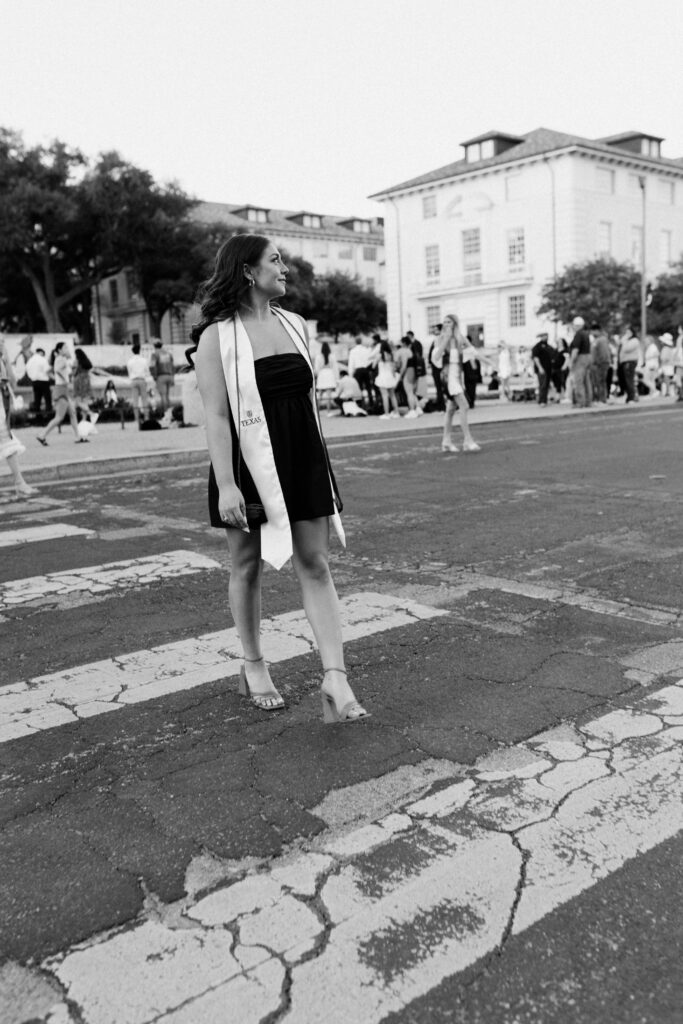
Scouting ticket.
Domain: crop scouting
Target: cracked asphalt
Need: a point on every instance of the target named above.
(500, 842)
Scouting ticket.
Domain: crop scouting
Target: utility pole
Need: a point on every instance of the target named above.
(643, 279)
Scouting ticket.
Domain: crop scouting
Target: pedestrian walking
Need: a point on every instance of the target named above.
(504, 370)
(81, 382)
(579, 364)
(162, 370)
(407, 374)
(386, 380)
(651, 375)
(138, 371)
(471, 372)
(666, 362)
(451, 344)
(628, 354)
(436, 372)
(271, 486)
(326, 376)
(542, 356)
(10, 446)
(38, 372)
(601, 359)
(62, 395)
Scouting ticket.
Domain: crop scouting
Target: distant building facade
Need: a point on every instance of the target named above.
(351, 245)
(481, 236)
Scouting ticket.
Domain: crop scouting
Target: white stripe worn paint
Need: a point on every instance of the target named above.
(414, 898)
(65, 697)
(102, 579)
(33, 534)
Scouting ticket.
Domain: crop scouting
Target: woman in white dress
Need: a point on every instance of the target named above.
(451, 343)
(386, 379)
(326, 375)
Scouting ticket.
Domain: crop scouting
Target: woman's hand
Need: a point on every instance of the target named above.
(231, 507)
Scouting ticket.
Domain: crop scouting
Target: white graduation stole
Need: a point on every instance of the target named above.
(253, 437)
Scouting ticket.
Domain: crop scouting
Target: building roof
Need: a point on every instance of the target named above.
(493, 134)
(280, 222)
(535, 143)
(624, 136)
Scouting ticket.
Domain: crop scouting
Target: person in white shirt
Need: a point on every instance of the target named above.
(359, 367)
(38, 372)
(138, 371)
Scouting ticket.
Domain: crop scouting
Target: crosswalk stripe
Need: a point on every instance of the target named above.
(401, 904)
(32, 534)
(109, 685)
(101, 579)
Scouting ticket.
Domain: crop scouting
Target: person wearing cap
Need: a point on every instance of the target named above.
(542, 356)
(601, 360)
(666, 361)
(579, 363)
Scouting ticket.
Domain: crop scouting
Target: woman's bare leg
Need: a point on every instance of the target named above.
(385, 399)
(244, 592)
(464, 424)
(448, 422)
(321, 604)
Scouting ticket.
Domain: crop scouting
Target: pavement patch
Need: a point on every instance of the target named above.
(35, 534)
(358, 926)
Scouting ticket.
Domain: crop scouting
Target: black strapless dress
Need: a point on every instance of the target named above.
(284, 383)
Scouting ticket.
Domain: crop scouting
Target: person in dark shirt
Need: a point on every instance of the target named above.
(579, 363)
(542, 355)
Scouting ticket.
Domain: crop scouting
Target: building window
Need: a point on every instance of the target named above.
(636, 244)
(428, 207)
(370, 283)
(432, 263)
(369, 253)
(634, 183)
(517, 310)
(130, 284)
(362, 225)
(664, 249)
(650, 147)
(516, 249)
(604, 180)
(312, 220)
(257, 216)
(321, 248)
(346, 253)
(433, 316)
(604, 246)
(666, 191)
(513, 186)
(480, 151)
(113, 292)
(471, 255)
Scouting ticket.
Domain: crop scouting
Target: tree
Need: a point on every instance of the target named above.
(602, 290)
(66, 225)
(341, 305)
(666, 311)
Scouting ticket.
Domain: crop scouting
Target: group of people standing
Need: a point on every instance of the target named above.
(593, 366)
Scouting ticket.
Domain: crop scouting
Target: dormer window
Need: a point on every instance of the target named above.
(363, 226)
(650, 147)
(479, 151)
(312, 220)
(484, 147)
(256, 215)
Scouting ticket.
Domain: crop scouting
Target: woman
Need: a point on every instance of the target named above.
(326, 375)
(504, 370)
(10, 447)
(81, 383)
(405, 360)
(452, 343)
(386, 379)
(471, 372)
(270, 485)
(628, 355)
(61, 395)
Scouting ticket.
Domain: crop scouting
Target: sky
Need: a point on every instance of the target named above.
(316, 104)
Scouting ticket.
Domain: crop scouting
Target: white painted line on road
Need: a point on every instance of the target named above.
(410, 900)
(114, 683)
(33, 534)
(101, 579)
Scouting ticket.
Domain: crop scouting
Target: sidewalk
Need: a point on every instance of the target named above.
(115, 450)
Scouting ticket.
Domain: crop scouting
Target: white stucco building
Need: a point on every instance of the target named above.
(482, 235)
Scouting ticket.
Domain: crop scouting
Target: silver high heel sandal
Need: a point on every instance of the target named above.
(271, 701)
(352, 711)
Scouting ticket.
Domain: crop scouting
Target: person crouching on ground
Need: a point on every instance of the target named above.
(347, 396)
(449, 347)
(271, 486)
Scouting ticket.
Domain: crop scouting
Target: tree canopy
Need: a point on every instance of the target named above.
(601, 290)
(342, 305)
(666, 311)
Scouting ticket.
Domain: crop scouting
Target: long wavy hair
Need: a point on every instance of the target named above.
(221, 294)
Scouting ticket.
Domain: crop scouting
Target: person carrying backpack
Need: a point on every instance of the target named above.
(162, 370)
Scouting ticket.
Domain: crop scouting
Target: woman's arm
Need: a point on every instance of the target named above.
(213, 391)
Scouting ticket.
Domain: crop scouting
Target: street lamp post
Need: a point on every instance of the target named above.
(643, 279)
